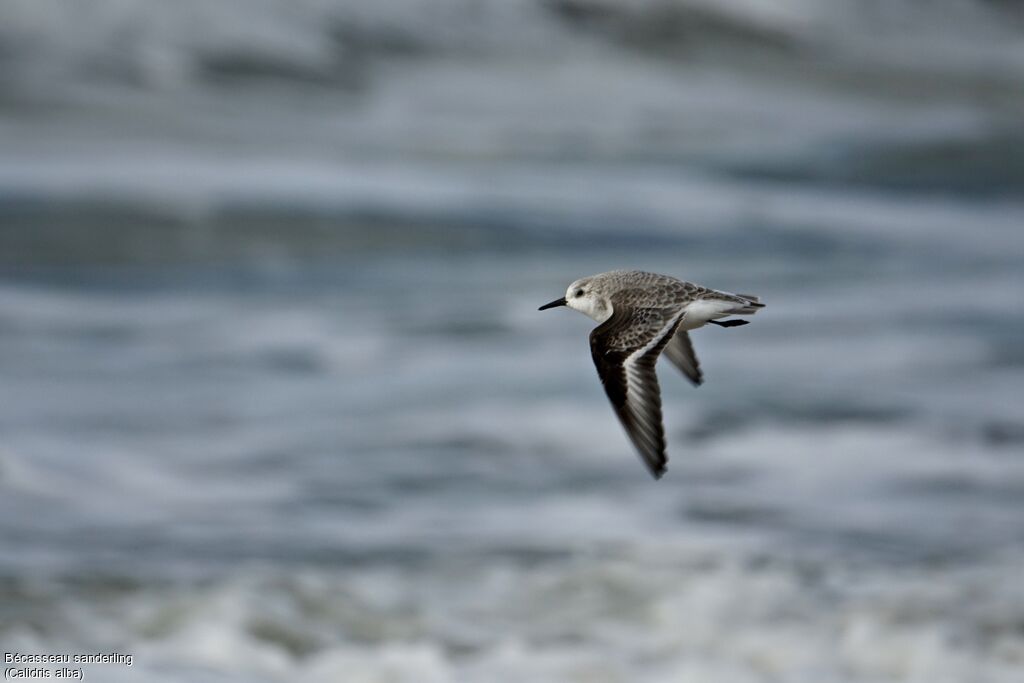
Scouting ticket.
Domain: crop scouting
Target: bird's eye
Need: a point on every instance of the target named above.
(579, 292)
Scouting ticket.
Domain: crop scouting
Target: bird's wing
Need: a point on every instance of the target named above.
(680, 351)
(625, 348)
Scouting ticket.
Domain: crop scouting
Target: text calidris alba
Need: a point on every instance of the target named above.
(641, 315)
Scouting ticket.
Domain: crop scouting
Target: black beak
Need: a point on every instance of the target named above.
(556, 302)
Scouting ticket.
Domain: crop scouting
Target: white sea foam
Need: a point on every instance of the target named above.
(652, 613)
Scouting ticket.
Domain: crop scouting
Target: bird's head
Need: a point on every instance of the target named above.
(586, 297)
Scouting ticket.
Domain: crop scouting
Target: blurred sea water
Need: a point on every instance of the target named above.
(276, 403)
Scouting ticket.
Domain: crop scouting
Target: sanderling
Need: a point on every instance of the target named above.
(640, 315)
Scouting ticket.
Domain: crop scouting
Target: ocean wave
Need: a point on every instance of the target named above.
(651, 614)
(983, 165)
(200, 209)
(153, 44)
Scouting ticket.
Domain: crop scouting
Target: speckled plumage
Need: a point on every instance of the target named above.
(642, 315)
(643, 289)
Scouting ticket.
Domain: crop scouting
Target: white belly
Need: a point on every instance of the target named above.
(701, 311)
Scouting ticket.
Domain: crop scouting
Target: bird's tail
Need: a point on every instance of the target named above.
(748, 304)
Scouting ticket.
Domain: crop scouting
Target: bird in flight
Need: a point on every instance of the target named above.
(641, 316)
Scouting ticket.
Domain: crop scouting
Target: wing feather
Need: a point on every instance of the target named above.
(680, 351)
(625, 349)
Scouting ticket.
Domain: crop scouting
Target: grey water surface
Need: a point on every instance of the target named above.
(276, 402)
